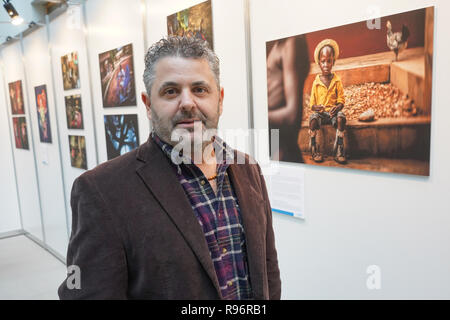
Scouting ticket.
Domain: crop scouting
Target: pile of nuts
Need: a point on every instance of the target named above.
(385, 100)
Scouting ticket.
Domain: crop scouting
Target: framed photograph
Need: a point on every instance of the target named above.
(70, 71)
(16, 97)
(117, 77)
(195, 21)
(77, 146)
(361, 101)
(74, 112)
(45, 132)
(20, 132)
(122, 134)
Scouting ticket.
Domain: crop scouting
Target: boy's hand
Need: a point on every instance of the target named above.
(333, 111)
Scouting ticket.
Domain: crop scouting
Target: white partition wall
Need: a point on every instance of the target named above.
(111, 26)
(27, 185)
(229, 44)
(67, 36)
(38, 69)
(355, 219)
(9, 204)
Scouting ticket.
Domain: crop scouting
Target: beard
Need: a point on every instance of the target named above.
(191, 140)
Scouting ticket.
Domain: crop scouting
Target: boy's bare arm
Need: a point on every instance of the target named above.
(318, 108)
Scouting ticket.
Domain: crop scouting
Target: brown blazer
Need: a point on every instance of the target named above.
(135, 236)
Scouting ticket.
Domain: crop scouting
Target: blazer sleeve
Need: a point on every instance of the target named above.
(273, 271)
(94, 247)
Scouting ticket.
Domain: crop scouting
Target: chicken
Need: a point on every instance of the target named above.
(397, 41)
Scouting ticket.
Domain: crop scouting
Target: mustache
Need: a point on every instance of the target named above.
(188, 115)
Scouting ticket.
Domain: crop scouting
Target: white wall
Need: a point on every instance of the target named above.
(67, 36)
(38, 69)
(355, 218)
(9, 205)
(229, 45)
(24, 159)
(109, 27)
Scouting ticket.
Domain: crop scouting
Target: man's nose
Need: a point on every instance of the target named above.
(187, 101)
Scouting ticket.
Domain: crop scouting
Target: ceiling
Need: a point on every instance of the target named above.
(30, 11)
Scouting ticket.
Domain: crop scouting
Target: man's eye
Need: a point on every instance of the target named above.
(200, 90)
(170, 91)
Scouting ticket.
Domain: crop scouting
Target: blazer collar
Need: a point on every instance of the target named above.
(160, 178)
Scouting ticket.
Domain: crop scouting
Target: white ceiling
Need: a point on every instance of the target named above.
(29, 10)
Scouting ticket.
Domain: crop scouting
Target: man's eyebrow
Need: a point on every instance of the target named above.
(168, 84)
(200, 83)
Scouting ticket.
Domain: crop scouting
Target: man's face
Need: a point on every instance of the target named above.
(326, 60)
(184, 92)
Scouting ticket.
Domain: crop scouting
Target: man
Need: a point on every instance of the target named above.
(149, 226)
(287, 69)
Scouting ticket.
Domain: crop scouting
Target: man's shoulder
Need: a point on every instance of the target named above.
(117, 168)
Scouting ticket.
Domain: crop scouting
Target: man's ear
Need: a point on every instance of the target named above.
(221, 101)
(146, 99)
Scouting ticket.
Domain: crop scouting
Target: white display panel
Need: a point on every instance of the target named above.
(229, 45)
(111, 26)
(67, 36)
(359, 219)
(24, 159)
(38, 69)
(9, 206)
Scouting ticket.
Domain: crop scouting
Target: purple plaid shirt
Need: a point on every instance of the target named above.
(220, 218)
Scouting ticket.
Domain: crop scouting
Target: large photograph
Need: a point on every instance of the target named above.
(122, 134)
(70, 72)
(45, 132)
(16, 97)
(117, 77)
(20, 132)
(77, 146)
(74, 112)
(355, 96)
(195, 22)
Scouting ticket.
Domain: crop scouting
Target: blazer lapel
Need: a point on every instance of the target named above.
(249, 202)
(161, 180)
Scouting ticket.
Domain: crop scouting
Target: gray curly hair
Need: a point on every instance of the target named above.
(176, 46)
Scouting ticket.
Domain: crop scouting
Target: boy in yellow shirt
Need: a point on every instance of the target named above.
(327, 100)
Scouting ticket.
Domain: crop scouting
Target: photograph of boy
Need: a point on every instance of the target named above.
(366, 99)
(45, 132)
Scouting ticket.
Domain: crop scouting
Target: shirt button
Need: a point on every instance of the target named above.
(202, 182)
(229, 283)
(224, 250)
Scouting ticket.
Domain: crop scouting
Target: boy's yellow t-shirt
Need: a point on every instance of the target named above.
(328, 97)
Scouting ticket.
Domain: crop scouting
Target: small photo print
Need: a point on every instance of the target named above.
(20, 132)
(16, 97)
(70, 73)
(74, 112)
(78, 152)
(45, 132)
(122, 134)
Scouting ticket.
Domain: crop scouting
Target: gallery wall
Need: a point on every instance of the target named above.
(356, 219)
(9, 205)
(353, 219)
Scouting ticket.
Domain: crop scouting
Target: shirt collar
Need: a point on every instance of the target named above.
(224, 153)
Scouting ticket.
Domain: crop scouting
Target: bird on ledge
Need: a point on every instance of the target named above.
(397, 41)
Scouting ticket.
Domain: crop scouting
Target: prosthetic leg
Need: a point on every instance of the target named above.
(314, 146)
(338, 148)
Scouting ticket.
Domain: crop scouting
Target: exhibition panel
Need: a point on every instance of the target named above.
(45, 132)
(18, 108)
